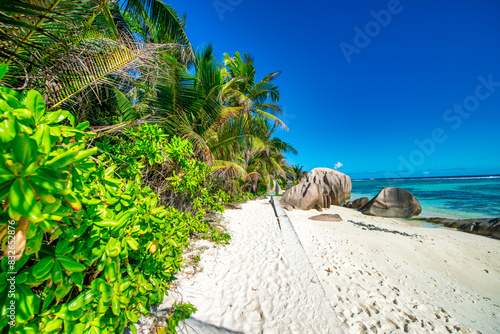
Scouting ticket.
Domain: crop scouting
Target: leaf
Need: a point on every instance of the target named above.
(85, 154)
(24, 149)
(102, 306)
(7, 130)
(73, 202)
(34, 244)
(49, 297)
(69, 315)
(125, 285)
(35, 104)
(77, 277)
(62, 247)
(132, 243)
(107, 292)
(124, 301)
(51, 184)
(23, 201)
(63, 289)
(54, 117)
(110, 270)
(4, 106)
(43, 267)
(82, 126)
(5, 174)
(95, 330)
(42, 138)
(12, 92)
(3, 70)
(105, 223)
(15, 167)
(27, 303)
(25, 129)
(11, 100)
(115, 306)
(123, 218)
(22, 113)
(70, 264)
(48, 198)
(81, 300)
(113, 247)
(132, 316)
(78, 328)
(63, 159)
(52, 325)
(57, 275)
(153, 246)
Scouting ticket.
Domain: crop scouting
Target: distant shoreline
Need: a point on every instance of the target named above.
(494, 176)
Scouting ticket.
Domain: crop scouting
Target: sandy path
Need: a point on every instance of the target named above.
(439, 281)
(257, 284)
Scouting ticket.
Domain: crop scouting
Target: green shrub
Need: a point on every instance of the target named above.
(94, 249)
(166, 165)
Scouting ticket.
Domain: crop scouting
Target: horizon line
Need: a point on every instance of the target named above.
(426, 177)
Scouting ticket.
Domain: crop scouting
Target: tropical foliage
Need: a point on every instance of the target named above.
(92, 249)
(118, 141)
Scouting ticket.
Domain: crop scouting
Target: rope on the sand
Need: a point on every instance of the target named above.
(294, 249)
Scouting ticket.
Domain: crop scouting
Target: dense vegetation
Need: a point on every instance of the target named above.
(118, 141)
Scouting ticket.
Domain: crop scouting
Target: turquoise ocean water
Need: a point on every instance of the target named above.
(449, 197)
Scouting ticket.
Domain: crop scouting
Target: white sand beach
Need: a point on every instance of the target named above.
(437, 281)
(351, 279)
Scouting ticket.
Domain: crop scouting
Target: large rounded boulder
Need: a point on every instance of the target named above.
(305, 196)
(337, 185)
(393, 202)
(358, 203)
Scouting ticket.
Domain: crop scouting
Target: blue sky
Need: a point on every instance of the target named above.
(387, 88)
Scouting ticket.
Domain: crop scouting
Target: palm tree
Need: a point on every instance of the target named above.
(296, 173)
(187, 104)
(192, 106)
(265, 159)
(242, 94)
(111, 64)
(84, 51)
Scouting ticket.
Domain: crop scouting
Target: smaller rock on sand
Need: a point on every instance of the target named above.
(327, 217)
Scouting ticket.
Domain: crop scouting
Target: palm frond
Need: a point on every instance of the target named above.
(98, 58)
(271, 76)
(234, 135)
(272, 118)
(277, 167)
(228, 169)
(199, 143)
(264, 91)
(282, 146)
(125, 108)
(36, 25)
(164, 20)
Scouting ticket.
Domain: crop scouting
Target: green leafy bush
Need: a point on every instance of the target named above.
(93, 248)
(136, 152)
(166, 165)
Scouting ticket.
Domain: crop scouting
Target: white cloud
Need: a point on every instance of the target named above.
(338, 165)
